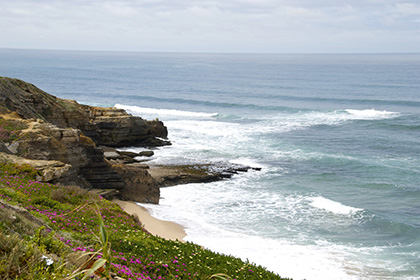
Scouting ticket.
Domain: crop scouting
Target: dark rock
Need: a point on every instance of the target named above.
(139, 185)
(128, 154)
(146, 153)
(128, 160)
(4, 149)
(200, 173)
(99, 173)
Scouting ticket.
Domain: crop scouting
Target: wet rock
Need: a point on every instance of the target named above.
(198, 173)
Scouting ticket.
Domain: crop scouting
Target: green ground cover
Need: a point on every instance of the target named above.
(9, 129)
(68, 223)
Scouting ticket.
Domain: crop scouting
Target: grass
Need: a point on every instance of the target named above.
(71, 222)
(10, 129)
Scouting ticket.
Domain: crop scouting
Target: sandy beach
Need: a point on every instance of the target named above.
(164, 229)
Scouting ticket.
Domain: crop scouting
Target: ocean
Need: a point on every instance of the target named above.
(337, 137)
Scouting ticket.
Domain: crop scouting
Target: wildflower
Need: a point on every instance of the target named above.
(48, 261)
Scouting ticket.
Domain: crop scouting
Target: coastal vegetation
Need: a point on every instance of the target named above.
(46, 231)
(9, 129)
(51, 227)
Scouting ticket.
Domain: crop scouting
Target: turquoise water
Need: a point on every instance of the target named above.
(337, 137)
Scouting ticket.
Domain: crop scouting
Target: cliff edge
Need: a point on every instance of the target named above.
(38, 127)
(105, 126)
(74, 144)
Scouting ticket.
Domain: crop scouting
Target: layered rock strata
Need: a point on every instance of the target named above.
(105, 126)
(70, 143)
(65, 135)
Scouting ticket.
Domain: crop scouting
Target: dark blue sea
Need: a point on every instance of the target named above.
(337, 138)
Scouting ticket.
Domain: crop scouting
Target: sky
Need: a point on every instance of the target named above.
(238, 26)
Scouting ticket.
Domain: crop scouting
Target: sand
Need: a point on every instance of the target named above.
(164, 229)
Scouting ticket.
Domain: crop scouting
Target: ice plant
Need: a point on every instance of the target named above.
(73, 223)
(100, 261)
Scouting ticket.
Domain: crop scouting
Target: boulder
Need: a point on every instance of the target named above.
(146, 153)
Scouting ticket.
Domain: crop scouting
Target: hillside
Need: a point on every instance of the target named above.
(52, 226)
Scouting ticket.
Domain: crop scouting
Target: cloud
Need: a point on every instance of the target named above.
(120, 9)
(211, 25)
(200, 11)
(407, 9)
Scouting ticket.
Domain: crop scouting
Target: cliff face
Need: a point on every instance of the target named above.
(66, 134)
(106, 126)
(115, 128)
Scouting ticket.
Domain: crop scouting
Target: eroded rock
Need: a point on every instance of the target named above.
(49, 170)
(105, 126)
(139, 185)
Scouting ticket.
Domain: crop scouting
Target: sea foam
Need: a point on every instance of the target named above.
(290, 259)
(286, 122)
(333, 206)
(371, 114)
(166, 112)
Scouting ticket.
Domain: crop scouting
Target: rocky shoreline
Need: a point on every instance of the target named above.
(73, 144)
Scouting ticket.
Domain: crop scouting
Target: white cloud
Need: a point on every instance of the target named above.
(211, 25)
(200, 11)
(407, 9)
(120, 9)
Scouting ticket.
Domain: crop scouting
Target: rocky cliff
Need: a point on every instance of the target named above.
(105, 126)
(64, 136)
(71, 144)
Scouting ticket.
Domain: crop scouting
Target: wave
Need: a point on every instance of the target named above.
(166, 112)
(333, 206)
(214, 228)
(303, 120)
(371, 114)
(365, 102)
(223, 103)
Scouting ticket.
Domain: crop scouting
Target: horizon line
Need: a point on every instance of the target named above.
(206, 52)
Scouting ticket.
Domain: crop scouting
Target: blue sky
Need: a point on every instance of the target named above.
(259, 26)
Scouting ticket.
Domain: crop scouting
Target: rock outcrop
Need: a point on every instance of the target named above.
(105, 126)
(139, 185)
(64, 136)
(70, 143)
(48, 170)
(171, 175)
